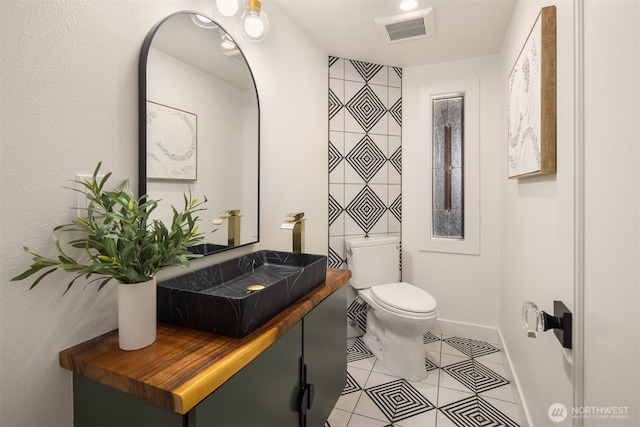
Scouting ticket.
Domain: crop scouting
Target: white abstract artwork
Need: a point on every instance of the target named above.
(525, 108)
(171, 143)
(531, 114)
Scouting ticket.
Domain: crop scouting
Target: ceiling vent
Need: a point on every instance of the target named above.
(419, 23)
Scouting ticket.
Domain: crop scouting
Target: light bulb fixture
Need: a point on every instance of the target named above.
(229, 8)
(255, 22)
(408, 5)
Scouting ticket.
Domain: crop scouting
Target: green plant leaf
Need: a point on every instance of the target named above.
(42, 276)
(118, 237)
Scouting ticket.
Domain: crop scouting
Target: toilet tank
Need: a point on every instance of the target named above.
(373, 261)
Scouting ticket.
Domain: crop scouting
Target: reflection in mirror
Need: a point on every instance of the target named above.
(199, 128)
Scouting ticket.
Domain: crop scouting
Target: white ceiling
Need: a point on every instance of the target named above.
(346, 29)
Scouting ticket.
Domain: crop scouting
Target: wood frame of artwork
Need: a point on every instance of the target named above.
(172, 143)
(532, 102)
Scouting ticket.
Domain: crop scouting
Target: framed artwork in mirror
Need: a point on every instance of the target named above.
(172, 140)
(532, 102)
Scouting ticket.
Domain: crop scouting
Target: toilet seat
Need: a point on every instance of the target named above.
(403, 297)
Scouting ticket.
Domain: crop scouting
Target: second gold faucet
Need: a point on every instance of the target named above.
(233, 226)
(296, 222)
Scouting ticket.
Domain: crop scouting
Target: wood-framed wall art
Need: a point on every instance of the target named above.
(172, 143)
(532, 102)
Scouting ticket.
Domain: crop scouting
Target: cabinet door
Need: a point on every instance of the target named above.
(325, 354)
(264, 393)
(96, 404)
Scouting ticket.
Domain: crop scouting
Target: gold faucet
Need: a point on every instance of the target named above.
(296, 223)
(233, 227)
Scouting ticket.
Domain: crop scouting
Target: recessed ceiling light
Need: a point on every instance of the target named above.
(203, 21)
(407, 5)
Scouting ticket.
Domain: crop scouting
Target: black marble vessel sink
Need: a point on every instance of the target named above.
(216, 299)
(206, 248)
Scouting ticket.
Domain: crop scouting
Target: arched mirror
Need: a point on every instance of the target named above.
(199, 128)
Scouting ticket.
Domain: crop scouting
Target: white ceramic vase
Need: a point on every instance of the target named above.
(136, 314)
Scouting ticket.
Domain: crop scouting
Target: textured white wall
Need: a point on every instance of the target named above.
(68, 77)
(465, 286)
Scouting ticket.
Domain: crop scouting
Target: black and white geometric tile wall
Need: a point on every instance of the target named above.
(365, 152)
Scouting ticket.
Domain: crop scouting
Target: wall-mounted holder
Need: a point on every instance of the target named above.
(535, 321)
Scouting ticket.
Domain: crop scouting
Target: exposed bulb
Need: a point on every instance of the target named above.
(253, 26)
(228, 8)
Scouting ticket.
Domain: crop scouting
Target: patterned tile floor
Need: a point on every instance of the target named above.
(466, 386)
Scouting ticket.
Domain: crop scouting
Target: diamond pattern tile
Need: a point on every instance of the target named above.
(396, 111)
(357, 312)
(365, 99)
(366, 158)
(396, 208)
(352, 385)
(334, 104)
(366, 69)
(393, 401)
(430, 365)
(366, 209)
(396, 159)
(335, 260)
(356, 350)
(399, 400)
(429, 338)
(334, 157)
(334, 209)
(366, 108)
(474, 411)
(471, 348)
(475, 376)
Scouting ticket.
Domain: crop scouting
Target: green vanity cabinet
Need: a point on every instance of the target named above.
(95, 404)
(324, 352)
(263, 393)
(269, 391)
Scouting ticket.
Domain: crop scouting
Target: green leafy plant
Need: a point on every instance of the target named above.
(120, 238)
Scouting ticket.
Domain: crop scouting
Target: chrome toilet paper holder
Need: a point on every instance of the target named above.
(535, 321)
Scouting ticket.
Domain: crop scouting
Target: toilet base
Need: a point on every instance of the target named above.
(402, 355)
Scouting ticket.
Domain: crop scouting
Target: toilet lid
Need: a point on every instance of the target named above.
(404, 296)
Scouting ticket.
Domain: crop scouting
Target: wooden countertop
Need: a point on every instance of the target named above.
(183, 366)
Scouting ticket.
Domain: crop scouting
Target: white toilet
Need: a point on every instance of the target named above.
(399, 313)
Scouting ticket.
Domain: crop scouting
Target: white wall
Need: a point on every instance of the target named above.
(536, 215)
(221, 147)
(69, 99)
(536, 262)
(612, 238)
(465, 286)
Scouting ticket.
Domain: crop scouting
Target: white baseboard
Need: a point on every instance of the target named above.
(468, 330)
(493, 336)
